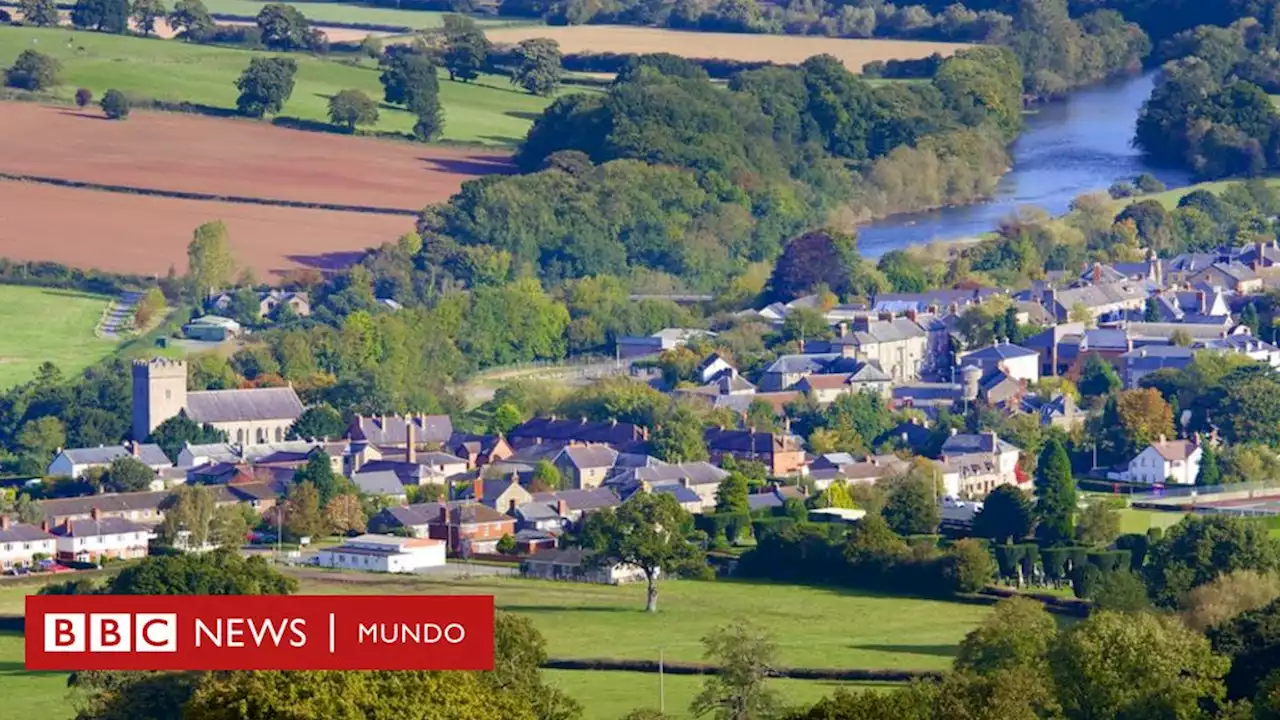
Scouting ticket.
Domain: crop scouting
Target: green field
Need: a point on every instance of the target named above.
(608, 695)
(323, 12)
(30, 694)
(45, 324)
(490, 111)
(1170, 198)
(1134, 520)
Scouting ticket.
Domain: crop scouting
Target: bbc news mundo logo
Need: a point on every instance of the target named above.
(203, 632)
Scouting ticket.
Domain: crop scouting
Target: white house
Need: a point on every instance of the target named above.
(574, 564)
(21, 543)
(974, 465)
(100, 537)
(712, 366)
(384, 553)
(1017, 362)
(1175, 461)
(74, 462)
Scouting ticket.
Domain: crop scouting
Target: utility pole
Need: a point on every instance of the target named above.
(662, 693)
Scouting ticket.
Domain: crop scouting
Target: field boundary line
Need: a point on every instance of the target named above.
(677, 667)
(206, 197)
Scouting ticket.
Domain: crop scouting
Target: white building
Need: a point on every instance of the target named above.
(574, 564)
(1017, 362)
(1174, 461)
(100, 537)
(974, 465)
(74, 462)
(384, 553)
(21, 543)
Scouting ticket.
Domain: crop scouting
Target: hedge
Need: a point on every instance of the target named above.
(693, 668)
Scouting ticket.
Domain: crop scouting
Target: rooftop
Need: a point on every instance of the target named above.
(219, 406)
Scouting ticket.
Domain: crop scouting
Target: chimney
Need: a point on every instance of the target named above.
(411, 442)
(444, 515)
(1097, 272)
(1202, 302)
(134, 448)
(842, 329)
(1258, 249)
(911, 314)
(477, 489)
(562, 508)
(44, 525)
(96, 513)
(5, 522)
(1162, 439)
(862, 323)
(953, 432)
(933, 309)
(886, 317)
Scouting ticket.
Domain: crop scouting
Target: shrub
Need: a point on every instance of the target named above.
(115, 104)
(84, 96)
(33, 71)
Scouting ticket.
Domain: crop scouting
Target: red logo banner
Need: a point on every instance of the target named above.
(259, 632)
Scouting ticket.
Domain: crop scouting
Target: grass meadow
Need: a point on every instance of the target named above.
(322, 11)
(813, 627)
(490, 111)
(46, 324)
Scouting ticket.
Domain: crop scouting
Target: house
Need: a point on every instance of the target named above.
(1247, 345)
(1099, 300)
(212, 328)
(99, 538)
(479, 450)
(248, 416)
(384, 553)
(140, 507)
(1149, 333)
(781, 454)
(73, 462)
(931, 300)
(1001, 390)
(397, 431)
(441, 463)
(408, 473)
(926, 395)
(1058, 347)
(787, 370)
(466, 526)
(553, 431)
(1172, 461)
(1017, 362)
(833, 467)
(1233, 276)
(1141, 362)
(268, 301)
(21, 545)
(501, 494)
(381, 483)
(575, 564)
(725, 384)
(290, 453)
(260, 496)
(868, 377)
(713, 366)
(585, 466)
(896, 345)
(630, 346)
(975, 464)
(774, 497)
(1060, 411)
(701, 479)
(573, 505)
(685, 497)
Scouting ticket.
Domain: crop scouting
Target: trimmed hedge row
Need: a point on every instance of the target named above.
(693, 668)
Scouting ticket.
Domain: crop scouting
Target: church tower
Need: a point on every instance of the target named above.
(159, 393)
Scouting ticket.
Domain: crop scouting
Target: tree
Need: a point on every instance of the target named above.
(1120, 591)
(371, 45)
(128, 474)
(650, 531)
(231, 525)
(284, 27)
(746, 657)
(319, 473)
(178, 431)
(221, 572)
(144, 14)
(191, 20)
(506, 545)
(1199, 549)
(1006, 516)
(1099, 524)
(84, 96)
(1123, 665)
(1098, 377)
(40, 13)
(351, 108)
(505, 417)
(816, 258)
(151, 305)
(302, 516)
(537, 68)
(1181, 338)
(265, 85)
(1055, 494)
(33, 71)
(1210, 474)
(408, 77)
(102, 15)
(466, 49)
(28, 510)
(731, 495)
(1145, 417)
(115, 105)
(191, 511)
(1018, 634)
(1227, 596)
(209, 261)
(967, 566)
(318, 422)
(38, 439)
(430, 123)
(912, 507)
(679, 437)
(344, 514)
(548, 474)
(835, 496)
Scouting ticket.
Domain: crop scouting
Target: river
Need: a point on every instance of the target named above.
(1066, 149)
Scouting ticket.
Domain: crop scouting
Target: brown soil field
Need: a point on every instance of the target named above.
(137, 234)
(192, 153)
(785, 49)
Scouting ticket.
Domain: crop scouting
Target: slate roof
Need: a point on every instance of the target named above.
(102, 526)
(568, 557)
(391, 429)
(589, 456)
(996, 353)
(104, 455)
(1236, 271)
(1174, 449)
(1164, 331)
(479, 444)
(470, 513)
(695, 473)
(970, 443)
(439, 458)
(119, 502)
(1095, 296)
(585, 499)
(681, 493)
(217, 406)
(22, 532)
(808, 363)
(250, 491)
(1105, 339)
(378, 482)
(745, 441)
(932, 298)
(927, 392)
(550, 430)
(882, 331)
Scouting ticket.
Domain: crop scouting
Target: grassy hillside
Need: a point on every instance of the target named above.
(321, 11)
(44, 324)
(490, 111)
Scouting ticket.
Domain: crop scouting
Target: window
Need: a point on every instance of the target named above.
(240, 435)
(26, 546)
(279, 434)
(8, 546)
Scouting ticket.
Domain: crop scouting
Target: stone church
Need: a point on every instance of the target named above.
(248, 417)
